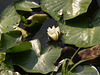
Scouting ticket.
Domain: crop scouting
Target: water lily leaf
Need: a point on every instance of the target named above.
(81, 32)
(12, 42)
(34, 62)
(25, 5)
(36, 18)
(36, 46)
(2, 56)
(24, 32)
(10, 39)
(69, 8)
(9, 19)
(20, 47)
(82, 70)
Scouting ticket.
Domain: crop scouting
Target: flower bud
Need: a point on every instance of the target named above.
(53, 33)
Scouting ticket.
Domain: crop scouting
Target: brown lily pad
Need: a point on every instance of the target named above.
(90, 52)
(68, 52)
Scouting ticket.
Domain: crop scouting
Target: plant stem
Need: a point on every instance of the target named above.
(69, 60)
(64, 22)
(79, 63)
(73, 56)
(52, 73)
(64, 67)
(76, 51)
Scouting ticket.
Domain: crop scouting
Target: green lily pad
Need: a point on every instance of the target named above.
(12, 42)
(36, 46)
(9, 19)
(69, 8)
(81, 70)
(25, 5)
(20, 47)
(34, 62)
(81, 32)
(10, 39)
(36, 18)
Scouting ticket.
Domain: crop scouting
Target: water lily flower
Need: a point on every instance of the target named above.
(53, 33)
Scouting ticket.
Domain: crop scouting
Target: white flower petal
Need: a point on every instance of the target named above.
(49, 29)
(54, 36)
(53, 32)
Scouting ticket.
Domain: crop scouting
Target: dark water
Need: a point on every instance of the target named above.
(4, 4)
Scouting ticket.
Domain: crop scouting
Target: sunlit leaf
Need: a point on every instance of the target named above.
(20, 47)
(12, 42)
(81, 32)
(24, 33)
(36, 18)
(25, 5)
(10, 39)
(9, 19)
(38, 63)
(69, 8)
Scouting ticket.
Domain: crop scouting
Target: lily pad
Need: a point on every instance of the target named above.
(34, 62)
(81, 32)
(2, 56)
(9, 19)
(36, 19)
(25, 5)
(12, 42)
(20, 47)
(10, 39)
(82, 70)
(69, 8)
